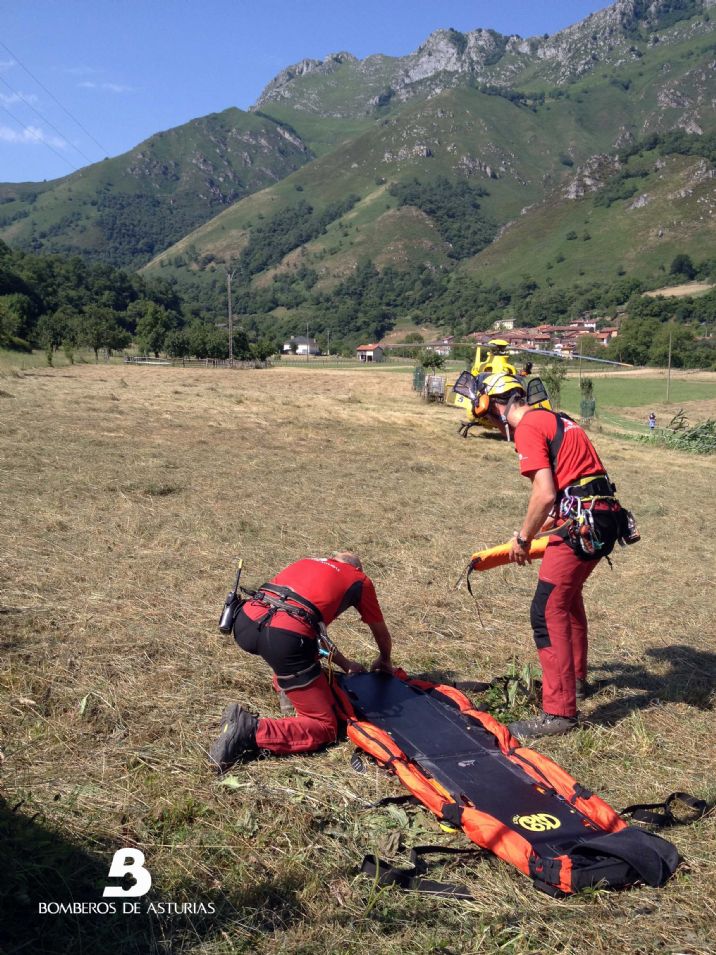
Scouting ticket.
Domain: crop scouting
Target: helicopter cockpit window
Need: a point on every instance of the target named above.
(536, 392)
(466, 386)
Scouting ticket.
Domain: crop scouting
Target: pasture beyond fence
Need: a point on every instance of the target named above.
(196, 362)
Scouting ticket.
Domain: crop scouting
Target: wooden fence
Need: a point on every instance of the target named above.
(196, 362)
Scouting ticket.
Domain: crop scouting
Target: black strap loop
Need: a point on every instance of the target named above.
(659, 814)
(411, 879)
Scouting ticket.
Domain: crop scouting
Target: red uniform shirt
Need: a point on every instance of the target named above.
(330, 585)
(576, 457)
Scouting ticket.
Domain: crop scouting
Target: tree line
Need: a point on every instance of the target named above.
(55, 302)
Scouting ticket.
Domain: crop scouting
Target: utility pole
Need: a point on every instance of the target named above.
(329, 343)
(229, 279)
(308, 347)
(668, 369)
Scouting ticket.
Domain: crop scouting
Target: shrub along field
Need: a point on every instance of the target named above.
(129, 493)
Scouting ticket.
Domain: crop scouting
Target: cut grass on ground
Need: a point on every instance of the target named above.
(129, 493)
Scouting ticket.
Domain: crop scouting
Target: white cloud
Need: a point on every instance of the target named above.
(108, 87)
(30, 134)
(7, 99)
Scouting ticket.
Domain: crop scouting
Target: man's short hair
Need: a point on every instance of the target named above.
(348, 557)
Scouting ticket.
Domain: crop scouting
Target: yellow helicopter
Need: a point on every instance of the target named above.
(493, 359)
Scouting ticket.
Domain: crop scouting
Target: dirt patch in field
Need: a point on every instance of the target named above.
(695, 411)
(679, 291)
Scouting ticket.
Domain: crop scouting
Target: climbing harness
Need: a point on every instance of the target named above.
(275, 598)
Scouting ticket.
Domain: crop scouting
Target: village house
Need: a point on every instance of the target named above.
(370, 353)
(442, 346)
(300, 345)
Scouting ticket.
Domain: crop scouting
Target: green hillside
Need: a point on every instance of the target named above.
(526, 151)
(126, 209)
(361, 191)
(613, 231)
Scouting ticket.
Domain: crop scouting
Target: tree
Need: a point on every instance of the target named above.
(153, 326)
(682, 265)
(16, 320)
(176, 344)
(633, 342)
(431, 360)
(56, 327)
(590, 347)
(263, 349)
(682, 341)
(98, 328)
(553, 374)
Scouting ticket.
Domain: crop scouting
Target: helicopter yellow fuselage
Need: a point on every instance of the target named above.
(486, 362)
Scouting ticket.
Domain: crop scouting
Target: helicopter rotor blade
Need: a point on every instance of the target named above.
(573, 357)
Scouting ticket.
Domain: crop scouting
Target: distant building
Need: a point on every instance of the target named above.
(300, 345)
(504, 324)
(370, 353)
(443, 346)
(605, 335)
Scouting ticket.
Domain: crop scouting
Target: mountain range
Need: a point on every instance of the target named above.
(588, 153)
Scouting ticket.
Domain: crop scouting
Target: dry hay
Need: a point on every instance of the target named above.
(129, 493)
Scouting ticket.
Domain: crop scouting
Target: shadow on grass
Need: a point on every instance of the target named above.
(41, 865)
(691, 679)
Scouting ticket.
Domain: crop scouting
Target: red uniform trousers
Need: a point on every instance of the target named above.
(293, 657)
(314, 725)
(560, 626)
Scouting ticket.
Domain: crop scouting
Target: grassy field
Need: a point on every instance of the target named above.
(129, 492)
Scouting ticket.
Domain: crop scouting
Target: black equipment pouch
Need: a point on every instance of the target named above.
(232, 605)
(228, 614)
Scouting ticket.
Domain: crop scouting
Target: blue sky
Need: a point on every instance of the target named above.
(85, 79)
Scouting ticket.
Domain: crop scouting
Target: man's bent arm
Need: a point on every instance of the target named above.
(540, 503)
(385, 645)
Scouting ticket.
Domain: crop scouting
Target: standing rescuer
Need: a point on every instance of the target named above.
(281, 622)
(569, 482)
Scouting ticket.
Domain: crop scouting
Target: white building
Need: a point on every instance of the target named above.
(370, 353)
(300, 345)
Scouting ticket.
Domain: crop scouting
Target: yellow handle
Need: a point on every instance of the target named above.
(497, 556)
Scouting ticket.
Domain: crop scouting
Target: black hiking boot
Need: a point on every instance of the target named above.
(543, 725)
(237, 737)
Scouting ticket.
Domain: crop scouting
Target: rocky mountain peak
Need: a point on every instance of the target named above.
(276, 89)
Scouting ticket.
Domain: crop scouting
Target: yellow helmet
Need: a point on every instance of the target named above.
(501, 383)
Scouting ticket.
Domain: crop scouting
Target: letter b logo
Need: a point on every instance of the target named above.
(128, 862)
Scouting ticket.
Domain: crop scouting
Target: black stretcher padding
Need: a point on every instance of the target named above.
(465, 758)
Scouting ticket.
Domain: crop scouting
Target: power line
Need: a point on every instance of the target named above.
(52, 96)
(46, 120)
(43, 141)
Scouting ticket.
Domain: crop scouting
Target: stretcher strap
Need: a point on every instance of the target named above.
(386, 874)
(659, 813)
